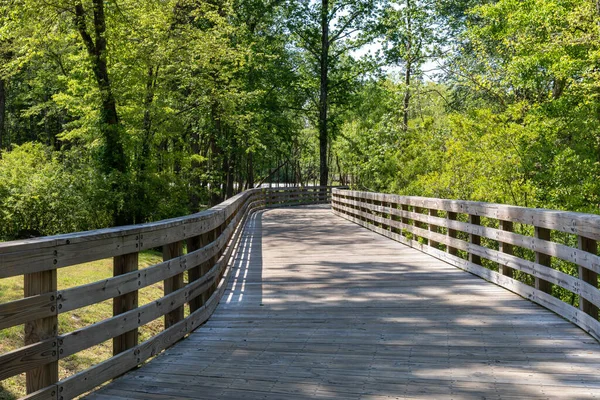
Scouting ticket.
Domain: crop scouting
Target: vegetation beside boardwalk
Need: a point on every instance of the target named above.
(12, 338)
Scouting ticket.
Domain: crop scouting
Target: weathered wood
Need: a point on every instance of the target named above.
(101, 331)
(542, 259)
(215, 234)
(173, 250)
(96, 292)
(115, 366)
(570, 254)
(24, 310)
(48, 393)
(433, 228)
(195, 273)
(39, 259)
(506, 248)
(52, 252)
(542, 272)
(587, 276)
(39, 357)
(405, 334)
(474, 239)
(587, 225)
(41, 330)
(416, 222)
(125, 302)
(451, 216)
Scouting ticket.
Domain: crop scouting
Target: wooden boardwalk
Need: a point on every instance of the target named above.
(318, 307)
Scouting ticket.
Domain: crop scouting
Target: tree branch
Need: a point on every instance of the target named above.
(81, 27)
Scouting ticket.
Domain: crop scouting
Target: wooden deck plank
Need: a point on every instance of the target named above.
(318, 307)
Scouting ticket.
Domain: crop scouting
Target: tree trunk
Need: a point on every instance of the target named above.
(250, 170)
(113, 155)
(407, 74)
(323, 94)
(228, 165)
(2, 111)
(406, 97)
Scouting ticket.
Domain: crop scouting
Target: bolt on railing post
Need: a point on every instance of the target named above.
(126, 302)
(543, 259)
(174, 283)
(41, 329)
(590, 246)
(506, 248)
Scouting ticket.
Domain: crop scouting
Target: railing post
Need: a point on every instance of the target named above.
(362, 201)
(206, 239)
(41, 329)
(377, 213)
(452, 233)
(543, 259)
(417, 224)
(215, 236)
(392, 217)
(129, 301)
(474, 239)
(193, 244)
(506, 248)
(405, 220)
(433, 228)
(588, 276)
(174, 283)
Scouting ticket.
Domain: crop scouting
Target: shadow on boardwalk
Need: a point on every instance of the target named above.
(318, 307)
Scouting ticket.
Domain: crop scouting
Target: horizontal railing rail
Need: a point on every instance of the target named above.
(552, 255)
(210, 238)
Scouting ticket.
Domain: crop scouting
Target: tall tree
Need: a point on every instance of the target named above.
(329, 31)
(412, 35)
(2, 110)
(113, 155)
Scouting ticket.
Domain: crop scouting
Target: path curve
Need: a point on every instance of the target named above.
(319, 307)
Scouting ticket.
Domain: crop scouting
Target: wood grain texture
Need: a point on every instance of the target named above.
(544, 272)
(37, 358)
(126, 302)
(40, 331)
(28, 309)
(586, 259)
(318, 307)
(587, 276)
(173, 250)
(542, 259)
(115, 366)
(506, 248)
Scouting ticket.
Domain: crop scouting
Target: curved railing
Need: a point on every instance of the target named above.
(210, 237)
(520, 249)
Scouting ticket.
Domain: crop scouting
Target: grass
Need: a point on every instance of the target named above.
(12, 338)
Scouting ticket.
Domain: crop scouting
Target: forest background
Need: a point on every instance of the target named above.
(118, 112)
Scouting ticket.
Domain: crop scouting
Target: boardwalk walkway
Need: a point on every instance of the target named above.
(319, 307)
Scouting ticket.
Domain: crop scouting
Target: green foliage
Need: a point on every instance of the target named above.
(44, 195)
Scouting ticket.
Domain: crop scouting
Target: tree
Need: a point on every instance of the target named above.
(327, 32)
(412, 35)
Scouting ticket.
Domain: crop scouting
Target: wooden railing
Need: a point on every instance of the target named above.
(542, 255)
(210, 238)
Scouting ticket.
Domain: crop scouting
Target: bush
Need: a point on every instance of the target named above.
(42, 194)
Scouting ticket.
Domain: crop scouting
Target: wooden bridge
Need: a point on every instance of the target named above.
(304, 302)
